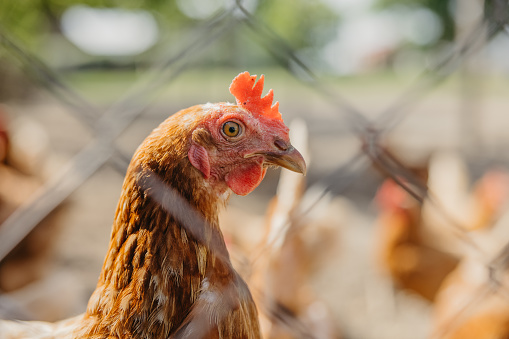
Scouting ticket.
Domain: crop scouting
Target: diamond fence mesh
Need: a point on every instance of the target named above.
(429, 262)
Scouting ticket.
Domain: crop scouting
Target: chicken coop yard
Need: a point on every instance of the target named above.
(398, 230)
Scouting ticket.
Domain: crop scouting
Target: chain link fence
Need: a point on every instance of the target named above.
(362, 301)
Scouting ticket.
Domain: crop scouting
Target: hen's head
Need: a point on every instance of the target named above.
(391, 196)
(232, 145)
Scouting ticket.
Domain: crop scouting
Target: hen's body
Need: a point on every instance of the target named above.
(155, 270)
(167, 272)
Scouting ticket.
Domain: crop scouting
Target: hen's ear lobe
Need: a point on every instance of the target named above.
(199, 158)
(198, 155)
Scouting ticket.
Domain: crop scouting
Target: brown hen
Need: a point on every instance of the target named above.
(167, 272)
(412, 263)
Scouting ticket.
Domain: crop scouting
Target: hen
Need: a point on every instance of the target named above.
(420, 244)
(455, 206)
(167, 272)
(23, 158)
(470, 305)
(472, 301)
(412, 263)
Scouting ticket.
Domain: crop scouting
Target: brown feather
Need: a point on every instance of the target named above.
(158, 279)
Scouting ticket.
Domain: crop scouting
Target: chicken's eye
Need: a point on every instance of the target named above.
(231, 129)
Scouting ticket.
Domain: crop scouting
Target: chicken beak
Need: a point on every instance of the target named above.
(289, 158)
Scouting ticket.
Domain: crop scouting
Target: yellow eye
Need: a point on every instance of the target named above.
(231, 129)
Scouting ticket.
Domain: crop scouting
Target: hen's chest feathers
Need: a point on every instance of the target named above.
(159, 281)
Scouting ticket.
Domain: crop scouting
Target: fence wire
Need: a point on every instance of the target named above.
(107, 125)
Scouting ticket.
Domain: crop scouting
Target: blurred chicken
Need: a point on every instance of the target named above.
(466, 308)
(452, 207)
(23, 155)
(293, 246)
(167, 271)
(473, 301)
(420, 245)
(413, 264)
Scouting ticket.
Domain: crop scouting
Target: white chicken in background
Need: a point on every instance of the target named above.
(467, 307)
(296, 241)
(474, 225)
(453, 208)
(473, 301)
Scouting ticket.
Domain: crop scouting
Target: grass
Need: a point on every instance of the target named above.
(202, 85)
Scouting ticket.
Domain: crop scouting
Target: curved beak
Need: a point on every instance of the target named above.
(289, 158)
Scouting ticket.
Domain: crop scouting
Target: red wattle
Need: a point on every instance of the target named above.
(244, 179)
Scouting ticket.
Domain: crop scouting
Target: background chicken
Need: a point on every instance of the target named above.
(412, 264)
(470, 306)
(293, 246)
(23, 160)
(472, 302)
(455, 205)
(167, 271)
(419, 245)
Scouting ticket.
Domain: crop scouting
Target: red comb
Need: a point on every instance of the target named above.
(248, 93)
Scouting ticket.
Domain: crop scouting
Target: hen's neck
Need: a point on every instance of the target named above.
(155, 262)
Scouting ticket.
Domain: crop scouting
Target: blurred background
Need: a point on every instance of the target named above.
(402, 105)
